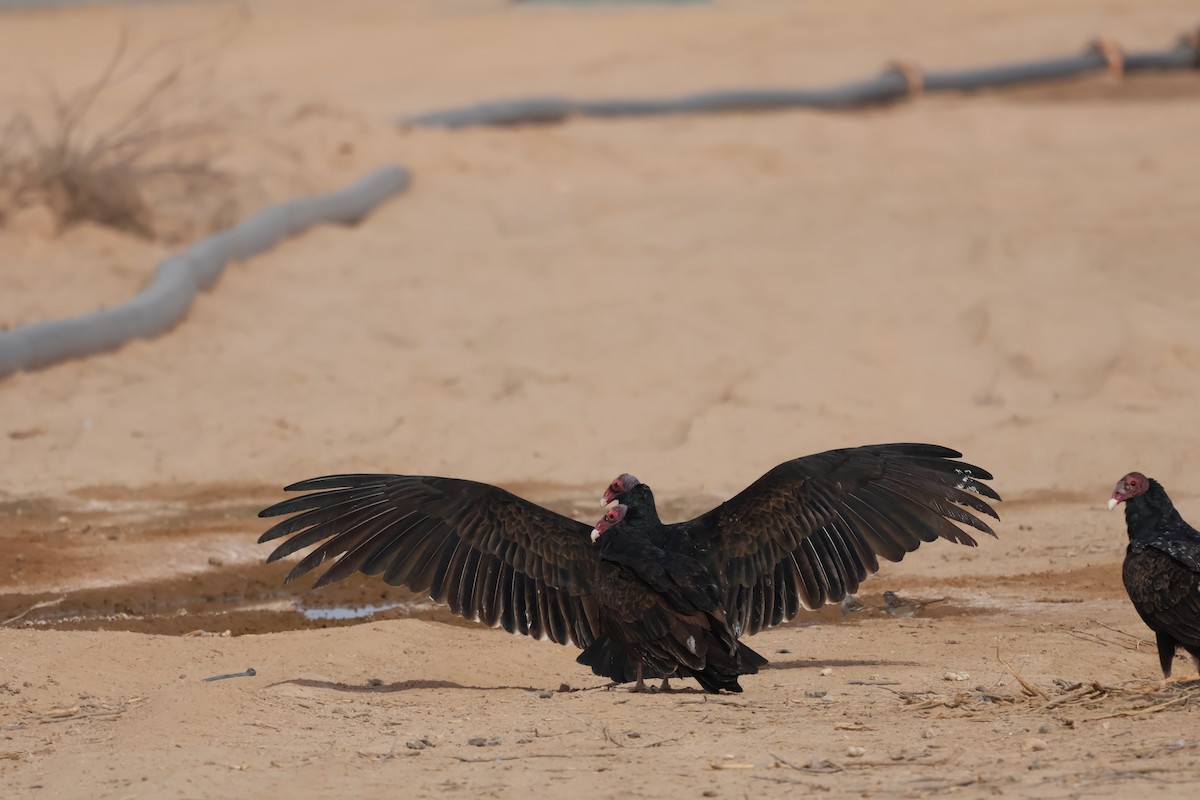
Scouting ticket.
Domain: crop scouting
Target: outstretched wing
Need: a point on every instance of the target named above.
(488, 554)
(810, 530)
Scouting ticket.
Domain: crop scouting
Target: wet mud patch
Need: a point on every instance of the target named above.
(178, 563)
(186, 560)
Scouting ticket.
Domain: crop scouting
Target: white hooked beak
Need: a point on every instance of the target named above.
(595, 534)
(1112, 503)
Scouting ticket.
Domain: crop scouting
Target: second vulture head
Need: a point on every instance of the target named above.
(610, 518)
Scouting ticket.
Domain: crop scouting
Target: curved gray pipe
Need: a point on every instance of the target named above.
(890, 86)
(165, 302)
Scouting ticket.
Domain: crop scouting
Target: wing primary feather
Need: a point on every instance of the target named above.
(310, 507)
(320, 524)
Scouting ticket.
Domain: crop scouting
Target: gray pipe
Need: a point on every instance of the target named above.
(165, 302)
(890, 86)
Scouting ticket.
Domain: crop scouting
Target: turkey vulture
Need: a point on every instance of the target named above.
(804, 533)
(1162, 566)
(688, 634)
(810, 530)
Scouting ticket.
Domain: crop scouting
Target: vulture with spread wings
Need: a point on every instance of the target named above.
(802, 535)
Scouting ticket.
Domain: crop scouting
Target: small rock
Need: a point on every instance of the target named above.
(545, 694)
(817, 693)
(418, 744)
(564, 687)
(524, 740)
(856, 752)
(1034, 744)
(955, 676)
(928, 733)
(709, 793)
(783, 650)
(633, 734)
(1044, 729)
(213, 561)
(479, 741)
(825, 673)
(374, 681)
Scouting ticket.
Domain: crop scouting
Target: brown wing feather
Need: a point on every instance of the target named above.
(487, 553)
(816, 525)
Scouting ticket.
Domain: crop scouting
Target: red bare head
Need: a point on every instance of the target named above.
(610, 518)
(617, 489)
(1129, 487)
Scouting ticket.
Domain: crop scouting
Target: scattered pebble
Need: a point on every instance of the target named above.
(856, 752)
(374, 682)
(633, 734)
(709, 793)
(545, 694)
(816, 693)
(479, 741)
(1044, 729)
(524, 740)
(955, 676)
(826, 672)
(564, 687)
(418, 744)
(213, 561)
(783, 650)
(1033, 743)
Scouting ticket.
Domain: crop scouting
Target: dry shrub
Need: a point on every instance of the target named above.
(149, 171)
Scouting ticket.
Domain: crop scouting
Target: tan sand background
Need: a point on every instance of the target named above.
(692, 299)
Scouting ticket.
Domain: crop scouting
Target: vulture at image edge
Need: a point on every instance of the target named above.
(804, 534)
(1162, 566)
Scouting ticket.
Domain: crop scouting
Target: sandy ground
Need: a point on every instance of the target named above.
(693, 300)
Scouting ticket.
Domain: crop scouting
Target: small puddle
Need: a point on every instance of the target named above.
(346, 612)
